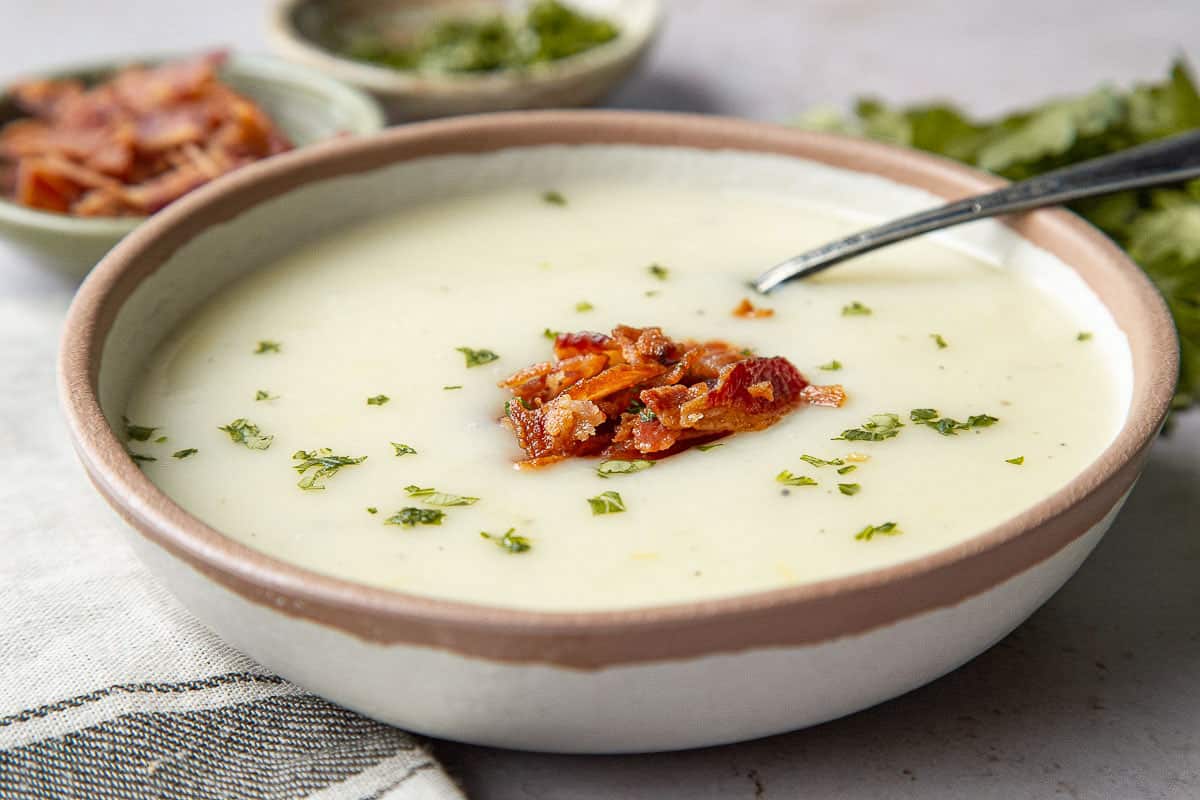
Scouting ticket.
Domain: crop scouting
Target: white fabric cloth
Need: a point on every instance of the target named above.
(108, 687)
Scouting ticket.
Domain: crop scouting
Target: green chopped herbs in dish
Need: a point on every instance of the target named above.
(137, 433)
(939, 340)
(184, 453)
(433, 497)
(378, 400)
(411, 517)
(832, 366)
(658, 271)
(583, 305)
(948, 426)
(510, 540)
(403, 449)
(849, 488)
(606, 503)
(323, 464)
(479, 43)
(607, 469)
(875, 429)
(855, 309)
(267, 346)
(1019, 460)
(475, 358)
(871, 531)
(553, 198)
(243, 431)
(788, 478)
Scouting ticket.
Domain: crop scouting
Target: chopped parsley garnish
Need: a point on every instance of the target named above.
(160, 440)
(606, 503)
(138, 457)
(263, 394)
(550, 334)
(832, 366)
(403, 449)
(658, 271)
(886, 529)
(324, 465)
(875, 429)
(948, 426)
(267, 346)
(1019, 460)
(704, 448)
(1083, 336)
(583, 305)
(372, 510)
(433, 497)
(787, 478)
(138, 433)
(411, 517)
(615, 467)
(651, 293)
(378, 400)
(850, 489)
(939, 341)
(184, 453)
(846, 470)
(510, 541)
(821, 462)
(452, 388)
(475, 358)
(855, 309)
(553, 198)
(243, 431)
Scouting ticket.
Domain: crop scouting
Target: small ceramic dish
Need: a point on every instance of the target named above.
(297, 31)
(306, 104)
(654, 678)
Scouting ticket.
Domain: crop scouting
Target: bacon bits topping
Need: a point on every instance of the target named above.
(747, 310)
(130, 145)
(640, 394)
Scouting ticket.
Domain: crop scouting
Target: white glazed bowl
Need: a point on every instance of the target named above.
(677, 676)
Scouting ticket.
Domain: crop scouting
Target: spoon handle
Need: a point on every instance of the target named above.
(1154, 164)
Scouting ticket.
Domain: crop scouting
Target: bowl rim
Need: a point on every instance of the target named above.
(290, 42)
(367, 111)
(787, 616)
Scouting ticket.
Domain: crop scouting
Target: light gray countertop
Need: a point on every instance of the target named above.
(1097, 695)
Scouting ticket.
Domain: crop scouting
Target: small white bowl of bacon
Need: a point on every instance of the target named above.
(88, 152)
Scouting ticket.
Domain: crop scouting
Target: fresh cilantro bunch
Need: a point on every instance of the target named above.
(1160, 228)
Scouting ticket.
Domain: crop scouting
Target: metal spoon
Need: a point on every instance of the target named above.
(1154, 164)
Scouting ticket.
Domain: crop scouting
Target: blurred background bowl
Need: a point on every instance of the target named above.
(307, 105)
(307, 31)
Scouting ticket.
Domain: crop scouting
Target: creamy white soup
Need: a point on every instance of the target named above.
(355, 344)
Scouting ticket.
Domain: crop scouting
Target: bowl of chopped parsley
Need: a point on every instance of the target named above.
(430, 58)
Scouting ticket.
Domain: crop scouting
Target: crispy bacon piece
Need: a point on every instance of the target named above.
(133, 144)
(747, 310)
(640, 394)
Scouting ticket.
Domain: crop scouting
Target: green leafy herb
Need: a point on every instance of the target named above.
(243, 431)
(658, 271)
(948, 426)
(267, 346)
(1019, 460)
(510, 541)
(378, 400)
(606, 503)
(1083, 336)
(855, 309)
(432, 497)
(939, 341)
(1159, 228)
(137, 433)
(821, 462)
(550, 334)
(787, 478)
(184, 453)
(323, 463)
(832, 366)
(846, 470)
(553, 198)
(263, 394)
(452, 388)
(887, 529)
(651, 293)
(138, 458)
(475, 358)
(849, 488)
(923, 414)
(875, 429)
(607, 469)
(583, 305)
(403, 449)
(704, 448)
(160, 440)
(372, 510)
(411, 517)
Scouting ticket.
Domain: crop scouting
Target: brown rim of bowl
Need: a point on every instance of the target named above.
(791, 616)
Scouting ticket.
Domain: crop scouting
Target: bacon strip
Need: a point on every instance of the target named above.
(640, 394)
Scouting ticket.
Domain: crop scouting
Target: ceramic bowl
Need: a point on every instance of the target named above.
(655, 678)
(306, 104)
(297, 29)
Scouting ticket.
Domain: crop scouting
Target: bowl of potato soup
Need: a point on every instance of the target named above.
(475, 426)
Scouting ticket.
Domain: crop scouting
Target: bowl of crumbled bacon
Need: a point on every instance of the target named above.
(87, 152)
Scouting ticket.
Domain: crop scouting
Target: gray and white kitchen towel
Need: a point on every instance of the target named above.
(109, 689)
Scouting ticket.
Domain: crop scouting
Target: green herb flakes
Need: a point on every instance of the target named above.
(138, 458)
(846, 470)
(855, 309)
(267, 346)
(411, 517)
(787, 478)
(886, 529)
(372, 510)
(821, 462)
(583, 306)
(607, 469)
(378, 400)
(452, 388)
(832, 366)
(947, 426)
(875, 429)
(138, 433)
(432, 497)
(850, 489)
(939, 341)
(659, 271)
(263, 394)
(1083, 336)
(704, 448)
(403, 449)
(553, 198)
(323, 463)
(1019, 460)
(184, 453)
(475, 358)
(552, 335)
(606, 503)
(510, 541)
(243, 431)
